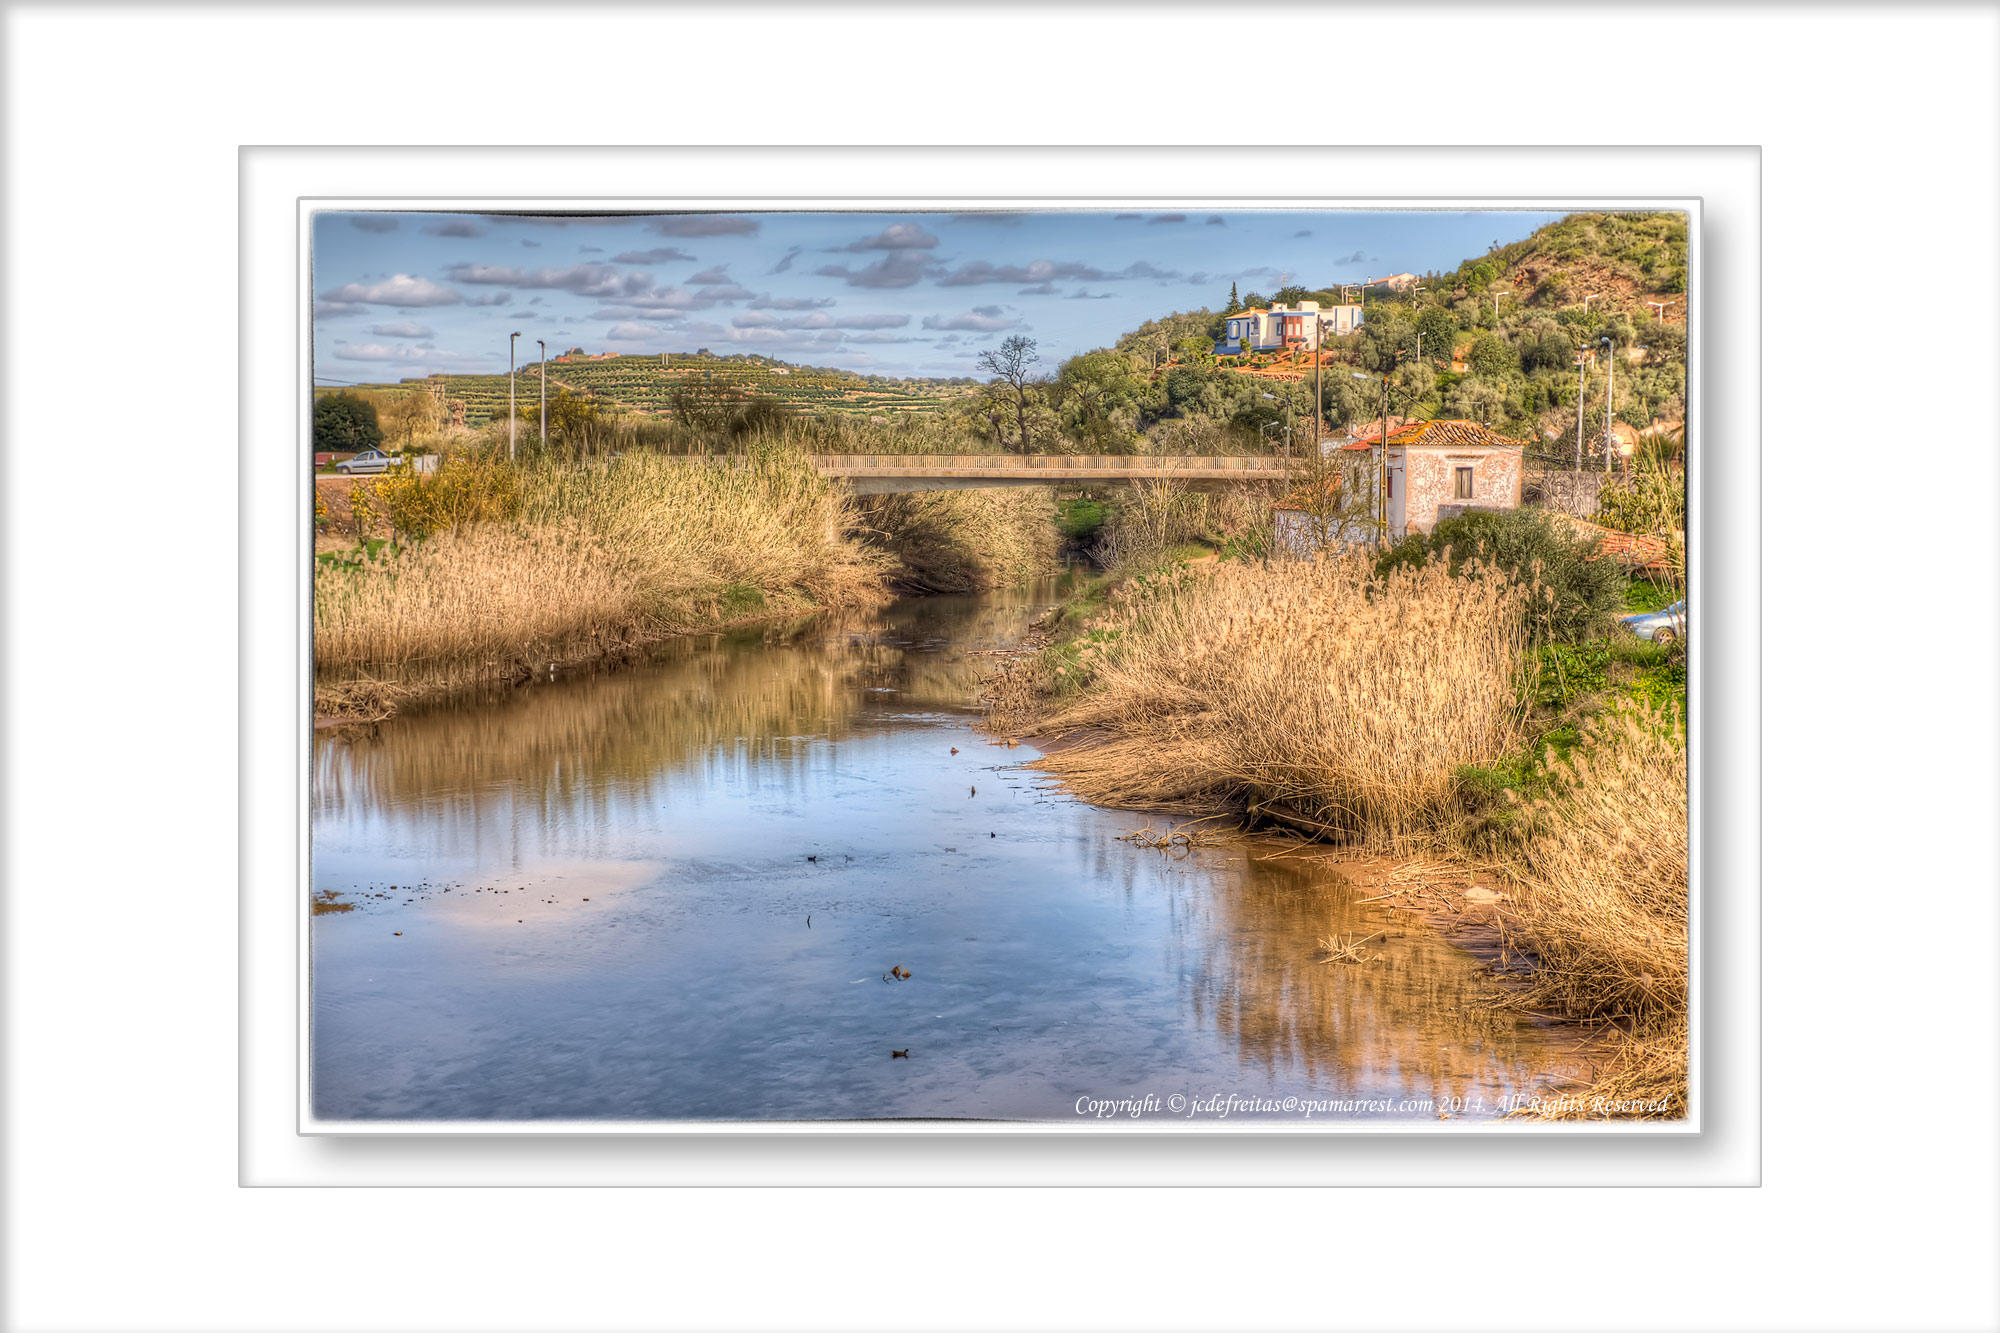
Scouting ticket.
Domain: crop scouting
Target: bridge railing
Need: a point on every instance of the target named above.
(908, 465)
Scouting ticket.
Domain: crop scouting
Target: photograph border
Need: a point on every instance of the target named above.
(887, 166)
(311, 1123)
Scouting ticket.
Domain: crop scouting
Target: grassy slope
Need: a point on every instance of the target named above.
(1630, 257)
(644, 384)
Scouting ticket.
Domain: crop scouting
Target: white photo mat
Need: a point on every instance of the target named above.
(134, 1121)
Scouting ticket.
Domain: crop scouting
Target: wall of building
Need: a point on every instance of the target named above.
(1427, 480)
(1572, 492)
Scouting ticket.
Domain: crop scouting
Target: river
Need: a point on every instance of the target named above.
(690, 888)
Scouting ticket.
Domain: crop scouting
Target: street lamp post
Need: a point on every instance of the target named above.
(545, 395)
(510, 395)
(1580, 353)
(1497, 293)
(1288, 421)
(1610, 385)
(1660, 306)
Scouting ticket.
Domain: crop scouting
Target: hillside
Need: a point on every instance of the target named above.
(651, 384)
(1497, 340)
(1628, 258)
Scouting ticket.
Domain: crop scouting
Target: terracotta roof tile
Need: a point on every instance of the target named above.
(1440, 434)
(1633, 550)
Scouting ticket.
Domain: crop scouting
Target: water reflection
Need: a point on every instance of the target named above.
(674, 890)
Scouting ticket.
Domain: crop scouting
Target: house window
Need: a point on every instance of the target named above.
(1462, 483)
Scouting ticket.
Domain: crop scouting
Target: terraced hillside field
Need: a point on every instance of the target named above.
(651, 383)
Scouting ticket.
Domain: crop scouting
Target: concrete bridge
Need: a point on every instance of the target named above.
(883, 474)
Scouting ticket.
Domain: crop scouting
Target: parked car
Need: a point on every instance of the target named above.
(377, 461)
(1659, 626)
(374, 460)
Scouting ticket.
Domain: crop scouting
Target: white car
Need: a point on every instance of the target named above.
(1661, 627)
(374, 460)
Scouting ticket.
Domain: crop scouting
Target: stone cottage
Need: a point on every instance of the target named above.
(1438, 468)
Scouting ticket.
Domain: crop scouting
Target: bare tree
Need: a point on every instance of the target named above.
(1010, 362)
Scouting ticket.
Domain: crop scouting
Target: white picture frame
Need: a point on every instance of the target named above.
(136, 1149)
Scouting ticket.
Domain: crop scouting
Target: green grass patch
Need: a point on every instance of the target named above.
(1642, 597)
(1565, 684)
(367, 552)
(742, 599)
(1080, 519)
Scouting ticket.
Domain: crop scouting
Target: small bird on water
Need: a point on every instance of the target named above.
(954, 749)
(903, 1054)
(975, 791)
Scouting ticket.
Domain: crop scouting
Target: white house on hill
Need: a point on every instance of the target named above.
(1286, 327)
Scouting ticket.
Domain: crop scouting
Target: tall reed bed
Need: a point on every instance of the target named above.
(1599, 876)
(962, 541)
(1312, 692)
(599, 555)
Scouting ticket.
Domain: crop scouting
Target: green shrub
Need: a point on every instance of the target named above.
(1578, 591)
(345, 423)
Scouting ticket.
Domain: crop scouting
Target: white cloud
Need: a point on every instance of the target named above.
(401, 290)
(769, 302)
(981, 319)
(408, 328)
(703, 224)
(898, 268)
(819, 319)
(663, 254)
(380, 352)
(598, 280)
(895, 236)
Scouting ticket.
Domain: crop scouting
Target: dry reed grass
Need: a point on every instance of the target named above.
(1601, 903)
(1178, 838)
(601, 555)
(964, 541)
(1311, 692)
(1347, 948)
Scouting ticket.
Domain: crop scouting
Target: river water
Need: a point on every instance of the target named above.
(688, 890)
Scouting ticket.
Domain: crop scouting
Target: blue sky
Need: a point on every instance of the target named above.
(401, 294)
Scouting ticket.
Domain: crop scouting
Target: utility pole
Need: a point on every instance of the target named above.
(510, 395)
(1382, 461)
(1319, 361)
(1610, 381)
(1579, 407)
(545, 396)
(1382, 468)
